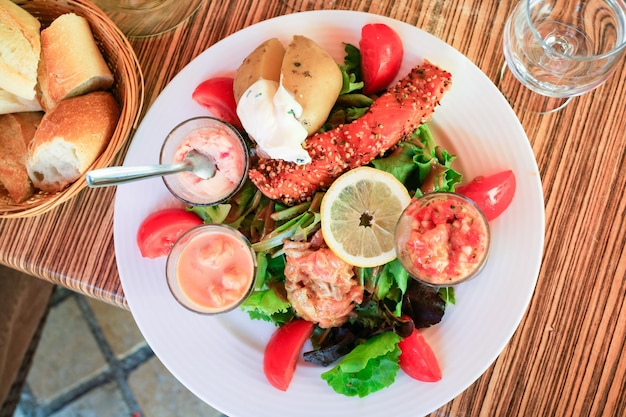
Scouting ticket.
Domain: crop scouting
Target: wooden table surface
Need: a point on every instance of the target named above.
(567, 358)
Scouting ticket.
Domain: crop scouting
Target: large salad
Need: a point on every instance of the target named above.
(219, 359)
(365, 352)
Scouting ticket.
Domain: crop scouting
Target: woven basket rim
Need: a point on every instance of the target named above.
(130, 95)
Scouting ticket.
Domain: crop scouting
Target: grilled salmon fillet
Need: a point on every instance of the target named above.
(392, 116)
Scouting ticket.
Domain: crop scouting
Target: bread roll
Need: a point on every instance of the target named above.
(16, 132)
(70, 138)
(71, 63)
(20, 49)
(10, 103)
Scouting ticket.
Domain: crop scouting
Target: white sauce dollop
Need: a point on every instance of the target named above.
(268, 112)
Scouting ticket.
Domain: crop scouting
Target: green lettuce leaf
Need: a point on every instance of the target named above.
(369, 367)
(419, 162)
(268, 306)
(211, 214)
(400, 163)
(395, 273)
(351, 69)
(265, 303)
(387, 283)
(447, 294)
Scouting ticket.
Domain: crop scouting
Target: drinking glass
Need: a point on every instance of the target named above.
(555, 50)
(302, 5)
(143, 18)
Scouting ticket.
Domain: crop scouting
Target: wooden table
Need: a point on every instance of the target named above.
(567, 356)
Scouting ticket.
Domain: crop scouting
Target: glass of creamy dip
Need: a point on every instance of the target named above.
(442, 239)
(211, 269)
(216, 139)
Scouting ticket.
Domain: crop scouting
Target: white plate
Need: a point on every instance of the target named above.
(220, 358)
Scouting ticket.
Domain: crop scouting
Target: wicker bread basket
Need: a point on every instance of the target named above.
(128, 89)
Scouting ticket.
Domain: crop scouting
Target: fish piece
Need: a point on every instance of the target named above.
(392, 116)
(321, 287)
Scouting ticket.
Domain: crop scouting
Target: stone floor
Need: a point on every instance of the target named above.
(93, 361)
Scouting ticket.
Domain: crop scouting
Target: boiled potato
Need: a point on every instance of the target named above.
(314, 79)
(264, 62)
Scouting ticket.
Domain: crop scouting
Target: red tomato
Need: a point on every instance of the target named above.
(381, 56)
(160, 230)
(282, 351)
(418, 359)
(492, 194)
(216, 95)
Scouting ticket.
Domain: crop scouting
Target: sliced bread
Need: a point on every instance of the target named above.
(71, 63)
(20, 49)
(11, 103)
(16, 132)
(70, 138)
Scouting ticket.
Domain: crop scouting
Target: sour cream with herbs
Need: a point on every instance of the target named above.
(268, 112)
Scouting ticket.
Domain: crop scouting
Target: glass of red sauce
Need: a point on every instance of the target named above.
(211, 269)
(216, 139)
(442, 239)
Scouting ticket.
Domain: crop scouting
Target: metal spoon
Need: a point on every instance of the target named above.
(201, 165)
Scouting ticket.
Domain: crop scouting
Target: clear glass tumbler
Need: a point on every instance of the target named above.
(144, 18)
(304, 5)
(557, 49)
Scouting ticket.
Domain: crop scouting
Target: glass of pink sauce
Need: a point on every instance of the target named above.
(211, 269)
(216, 139)
(442, 239)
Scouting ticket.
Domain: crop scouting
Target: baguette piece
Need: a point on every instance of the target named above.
(71, 63)
(19, 50)
(70, 138)
(16, 132)
(11, 103)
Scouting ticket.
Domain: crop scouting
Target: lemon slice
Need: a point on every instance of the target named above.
(359, 213)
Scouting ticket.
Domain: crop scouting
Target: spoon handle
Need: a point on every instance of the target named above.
(105, 177)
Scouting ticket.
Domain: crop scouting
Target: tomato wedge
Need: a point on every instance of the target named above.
(160, 230)
(418, 359)
(381, 56)
(216, 95)
(493, 194)
(282, 351)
